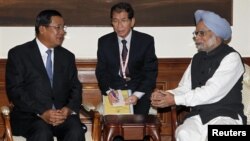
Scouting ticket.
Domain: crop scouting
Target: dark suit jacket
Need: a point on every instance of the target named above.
(142, 64)
(28, 86)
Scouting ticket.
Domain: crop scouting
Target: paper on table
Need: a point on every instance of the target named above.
(119, 107)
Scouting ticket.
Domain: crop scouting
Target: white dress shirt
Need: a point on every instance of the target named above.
(217, 87)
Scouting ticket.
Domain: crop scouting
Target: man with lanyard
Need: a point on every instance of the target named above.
(127, 60)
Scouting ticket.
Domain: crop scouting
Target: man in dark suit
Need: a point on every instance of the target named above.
(127, 60)
(43, 85)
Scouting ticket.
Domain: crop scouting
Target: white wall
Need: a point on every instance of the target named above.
(170, 42)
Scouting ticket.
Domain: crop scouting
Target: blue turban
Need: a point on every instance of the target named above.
(214, 22)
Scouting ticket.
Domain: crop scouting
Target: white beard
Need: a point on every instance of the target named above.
(207, 46)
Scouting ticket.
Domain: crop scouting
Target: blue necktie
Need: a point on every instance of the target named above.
(49, 66)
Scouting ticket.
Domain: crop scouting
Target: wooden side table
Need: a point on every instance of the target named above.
(131, 127)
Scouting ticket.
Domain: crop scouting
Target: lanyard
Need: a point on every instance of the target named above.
(124, 65)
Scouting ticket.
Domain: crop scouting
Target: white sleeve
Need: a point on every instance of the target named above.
(185, 83)
(217, 87)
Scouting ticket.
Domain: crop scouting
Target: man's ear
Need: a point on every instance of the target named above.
(132, 22)
(42, 29)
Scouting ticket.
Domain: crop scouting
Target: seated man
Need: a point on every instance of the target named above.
(42, 83)
(126, 59)
(211, 85)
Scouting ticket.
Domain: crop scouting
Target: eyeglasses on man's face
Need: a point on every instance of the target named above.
(200, 33)
(58, 27)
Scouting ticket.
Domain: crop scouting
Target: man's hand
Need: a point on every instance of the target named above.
(66, 112)
(113, 97)
(131, 100)
(56, 117)
(162, 99)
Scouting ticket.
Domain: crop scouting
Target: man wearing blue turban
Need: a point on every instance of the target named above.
(211, 85)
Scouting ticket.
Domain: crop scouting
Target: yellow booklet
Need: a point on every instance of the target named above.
(119, 107)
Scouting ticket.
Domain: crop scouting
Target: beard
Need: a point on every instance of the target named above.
(207, 46)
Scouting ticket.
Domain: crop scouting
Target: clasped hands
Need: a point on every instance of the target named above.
(56, 116)
(162, 99)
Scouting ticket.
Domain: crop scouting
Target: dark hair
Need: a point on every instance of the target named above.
(44, 18)
(120, 7)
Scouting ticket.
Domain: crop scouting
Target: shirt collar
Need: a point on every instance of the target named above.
(127, 38)
(42, 47)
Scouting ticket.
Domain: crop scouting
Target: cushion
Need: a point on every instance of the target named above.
(246, 92)
(246, 76)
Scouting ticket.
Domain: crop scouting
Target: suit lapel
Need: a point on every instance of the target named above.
(115, 50)
(57, 64)
(132, 49)
(37, 60)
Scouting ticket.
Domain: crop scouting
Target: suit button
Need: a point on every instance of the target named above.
(126, 85)
(53, 98)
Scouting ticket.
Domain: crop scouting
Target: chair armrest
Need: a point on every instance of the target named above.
(96, 122)
(97, 126)
(5, 111)
(178, 114)
(174, 121)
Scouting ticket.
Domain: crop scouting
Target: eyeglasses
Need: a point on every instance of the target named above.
(200, 33)
(58, 27)
(123, 21)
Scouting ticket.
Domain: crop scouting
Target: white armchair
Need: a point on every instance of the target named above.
(246, 92)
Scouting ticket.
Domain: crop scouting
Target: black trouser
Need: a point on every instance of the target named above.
(142, 106)
(70, 130)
